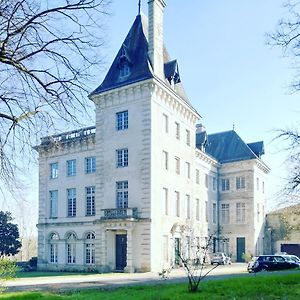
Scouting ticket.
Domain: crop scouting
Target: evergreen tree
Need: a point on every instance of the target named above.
(9, 235)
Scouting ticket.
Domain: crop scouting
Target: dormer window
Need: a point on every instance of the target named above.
(172, 72)
(124, 63)
(124, 70)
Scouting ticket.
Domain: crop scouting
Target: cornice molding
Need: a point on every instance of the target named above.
(204, 157)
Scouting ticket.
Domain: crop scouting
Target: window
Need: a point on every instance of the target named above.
(124, 69)
(224, 246)
(122, 120)
(71, 167)
(206, 211)
(71, 249)
(225, 184)
(90, 249)
(123, 64)
(257, 211)
(188, 137)
(188, 170)
(214, 183)
(214, 213)
(90, 165)
(240, 183)
(225, 217)
(177, 165)
(90, 200)
(177, 204)
(206, 180)
(263, 187)
(188, 206)
(240, 212)
(165, 160)
(165, 201)
(197, 209)
(122, 194)
(54, 248)
(165, 248)
(177, 130)
(257, 183)
(197, 176)
(71, 199)
(53, 170)
(53, 203)
(122, 158)
(166, 123)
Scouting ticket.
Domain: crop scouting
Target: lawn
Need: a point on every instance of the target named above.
(260, 287)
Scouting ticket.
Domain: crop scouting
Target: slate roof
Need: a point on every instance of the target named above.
(135, 47)
(229, 147)
(257, 148)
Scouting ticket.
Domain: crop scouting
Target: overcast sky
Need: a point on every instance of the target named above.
(229, 73)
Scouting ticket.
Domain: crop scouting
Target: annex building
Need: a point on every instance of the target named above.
(147, 181)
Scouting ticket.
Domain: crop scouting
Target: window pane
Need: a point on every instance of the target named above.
(122, 194)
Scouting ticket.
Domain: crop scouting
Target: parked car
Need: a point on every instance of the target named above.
(291, 257)
(220, 258)
(251, 263)
(272, 263)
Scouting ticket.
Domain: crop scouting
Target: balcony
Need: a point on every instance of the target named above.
(119, 213)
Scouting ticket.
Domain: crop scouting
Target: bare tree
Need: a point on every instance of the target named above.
(193, 257)
(292, 140)
(47, 49)
(287, 37)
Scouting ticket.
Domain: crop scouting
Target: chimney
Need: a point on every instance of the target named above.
(155, 38)
(200, 128)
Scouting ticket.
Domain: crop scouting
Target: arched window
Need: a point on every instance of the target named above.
(90, 249)
(124, 63)
(54, 248)
(71, 248)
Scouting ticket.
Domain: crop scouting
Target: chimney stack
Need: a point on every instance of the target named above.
(155, 38)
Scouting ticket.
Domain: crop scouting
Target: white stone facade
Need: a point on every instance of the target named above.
(152, 188)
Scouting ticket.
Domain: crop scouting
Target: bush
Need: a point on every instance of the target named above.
(8, 271)
(33, 262)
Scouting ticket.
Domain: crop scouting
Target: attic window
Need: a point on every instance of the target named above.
(124, 64)
(124, 70)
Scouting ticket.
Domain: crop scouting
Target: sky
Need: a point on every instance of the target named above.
(230, 74)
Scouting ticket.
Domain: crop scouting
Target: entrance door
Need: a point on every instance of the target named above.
(177, 251)
(240, 249)
(121, 252)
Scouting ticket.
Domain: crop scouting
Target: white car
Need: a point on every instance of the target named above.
(220, 258)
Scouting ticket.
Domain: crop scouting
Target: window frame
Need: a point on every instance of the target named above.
(122, 120)
(53, 204)
(122, 194)
(71, 167)
(54, 171)
(122, 157)
(71, 202)
(90, 208)
(90, 164)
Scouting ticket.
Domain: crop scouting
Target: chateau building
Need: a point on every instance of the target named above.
(146, 181)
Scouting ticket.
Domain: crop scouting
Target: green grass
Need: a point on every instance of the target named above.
(260, 287)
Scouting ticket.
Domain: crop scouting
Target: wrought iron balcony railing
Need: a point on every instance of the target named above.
(119, 213)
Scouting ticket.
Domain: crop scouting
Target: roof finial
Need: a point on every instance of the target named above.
(233, 126)
(139, 7)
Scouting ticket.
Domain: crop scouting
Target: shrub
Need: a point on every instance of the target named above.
(8, 271)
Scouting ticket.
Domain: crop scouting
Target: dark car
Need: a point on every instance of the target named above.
(273, 263)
